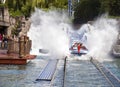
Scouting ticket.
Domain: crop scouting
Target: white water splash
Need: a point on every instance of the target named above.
(47, 32)
(101, 39)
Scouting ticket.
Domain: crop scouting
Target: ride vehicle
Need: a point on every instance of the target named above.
(78, 48)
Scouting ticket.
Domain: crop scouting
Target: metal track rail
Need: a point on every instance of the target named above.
(111, 78)
(63, 75)
(64, 72)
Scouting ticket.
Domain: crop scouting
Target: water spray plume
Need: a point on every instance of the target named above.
(47, 32)
(101, 39)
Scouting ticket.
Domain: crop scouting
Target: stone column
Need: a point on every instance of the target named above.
(26, 45)
(21, 47)
(10, 46)
(29, 46)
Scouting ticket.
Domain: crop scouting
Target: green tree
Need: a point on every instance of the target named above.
(114, 7)
(25, 7)
(86, 10)
(104, 6)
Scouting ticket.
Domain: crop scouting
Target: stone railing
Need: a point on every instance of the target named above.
(21, 47)
(24, 46)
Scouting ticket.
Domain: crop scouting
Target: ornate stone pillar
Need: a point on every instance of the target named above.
(10, 46)
(21, 47)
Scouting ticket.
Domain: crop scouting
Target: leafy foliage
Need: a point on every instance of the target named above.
(25, 7)
(86, 10)
(113, 7)
(90, 9)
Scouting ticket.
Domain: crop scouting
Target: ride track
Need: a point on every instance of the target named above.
(109, 76)
(52, 65)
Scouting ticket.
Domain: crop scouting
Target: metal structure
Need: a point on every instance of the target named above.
(48, 72)
(71, 6)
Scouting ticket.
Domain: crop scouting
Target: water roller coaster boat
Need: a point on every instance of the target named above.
(75, 46)
(73, 49)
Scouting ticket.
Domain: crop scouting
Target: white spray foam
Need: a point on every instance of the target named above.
(101, 39)
(47, 32)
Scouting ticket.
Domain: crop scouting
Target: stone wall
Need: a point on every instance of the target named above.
(9, 23)
(25, 27)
